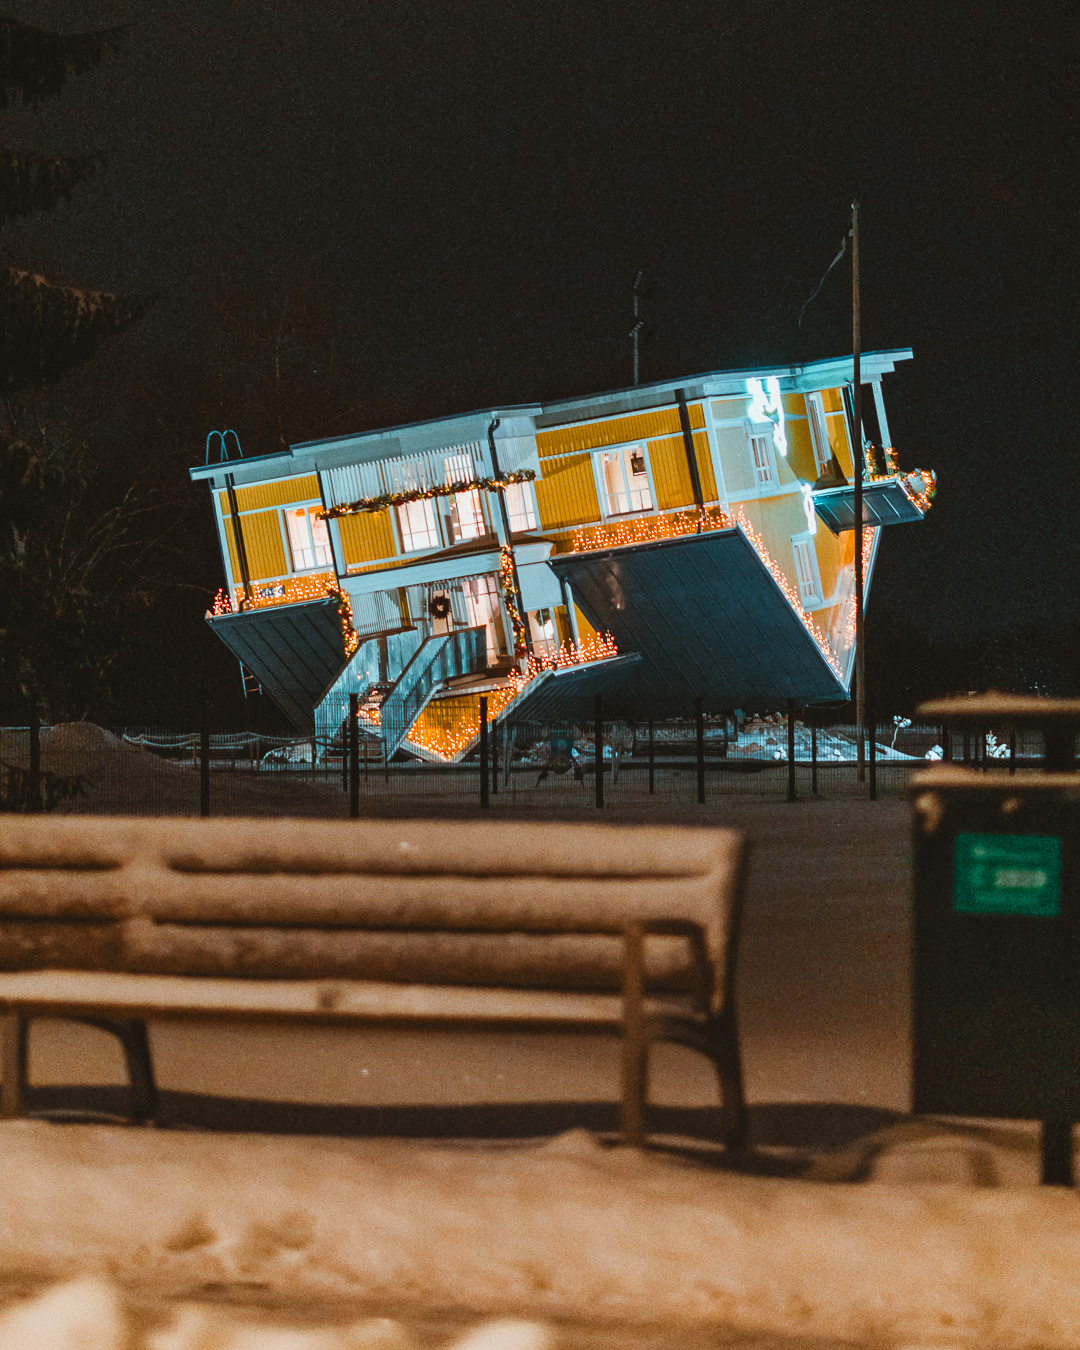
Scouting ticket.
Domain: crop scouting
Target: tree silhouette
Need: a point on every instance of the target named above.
(58, 545)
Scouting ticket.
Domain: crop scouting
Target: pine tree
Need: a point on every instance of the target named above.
(46, 327)
(57, 546)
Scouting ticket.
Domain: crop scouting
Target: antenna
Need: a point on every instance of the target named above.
(638, 324)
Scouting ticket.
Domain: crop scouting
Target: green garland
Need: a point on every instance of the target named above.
(388, 499)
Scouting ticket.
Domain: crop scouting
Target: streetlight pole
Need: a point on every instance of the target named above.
(857, 469)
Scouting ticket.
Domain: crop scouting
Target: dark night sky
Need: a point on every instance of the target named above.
(482, 180)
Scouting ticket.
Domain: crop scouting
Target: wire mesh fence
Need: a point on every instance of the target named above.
(532, 766)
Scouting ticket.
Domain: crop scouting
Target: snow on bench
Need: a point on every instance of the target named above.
(484, 923)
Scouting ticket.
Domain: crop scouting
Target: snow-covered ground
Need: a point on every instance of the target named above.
(562, 1232)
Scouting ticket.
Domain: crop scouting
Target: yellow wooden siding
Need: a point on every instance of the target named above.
(832, 400)
(284, 492)
(586, 632)
(566, 495)
(671, 473)
(366, 537)
(838, 440)
(262, 546)
(801, 450)
(833, 553)
(616, 431)
(776, 519)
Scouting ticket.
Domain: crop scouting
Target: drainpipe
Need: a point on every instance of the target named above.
(691, 455)
(238, 536)
(505, 517)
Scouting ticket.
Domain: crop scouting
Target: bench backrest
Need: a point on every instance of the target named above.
(326, 882)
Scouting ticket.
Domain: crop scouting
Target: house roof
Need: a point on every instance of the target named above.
(524, 419)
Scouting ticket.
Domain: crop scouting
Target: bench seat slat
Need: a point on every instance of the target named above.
(67, 991)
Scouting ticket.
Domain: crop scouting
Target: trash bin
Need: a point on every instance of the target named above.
(996, 951)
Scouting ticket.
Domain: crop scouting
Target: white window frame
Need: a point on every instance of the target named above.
(624, 453)
(807, 573)
(524, 517)
(467, 519)
(315, 542)
(408, 534)
(765, 475)
(819, 432)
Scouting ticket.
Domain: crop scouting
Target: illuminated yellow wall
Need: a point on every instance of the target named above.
(671, 473)
(615, 431)
(283, 492)
(566, 495)
(262, 545)
(366, 537)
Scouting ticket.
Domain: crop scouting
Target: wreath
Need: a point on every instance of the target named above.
(439, 608)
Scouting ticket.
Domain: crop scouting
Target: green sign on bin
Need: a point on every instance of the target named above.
(1007, 874)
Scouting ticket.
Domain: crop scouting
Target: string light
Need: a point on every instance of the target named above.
(790, 592)
(920, 486)
(388, 499)
(646, 529)
(510, 598)
(221, 603)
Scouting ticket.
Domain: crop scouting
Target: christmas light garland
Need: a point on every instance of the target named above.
(646, 529)
(790, 592)
(387, 499)
(510, 599)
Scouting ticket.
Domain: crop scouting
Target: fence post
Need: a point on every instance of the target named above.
(495, 739)
(652, 760)
(946, 748)
(34, 730)
(792, 795)
(345, 755)
(872, 750)
(699, 715)
(485, 780)
(1012, 752)
(354, 756)
(204, 764)
(598, 747)
(812, 719)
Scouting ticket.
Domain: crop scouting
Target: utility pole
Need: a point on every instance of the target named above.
(857, 470)
(636, 330)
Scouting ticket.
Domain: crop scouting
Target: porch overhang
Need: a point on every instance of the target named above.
(295, 651)
(708, 620)
(885, 503)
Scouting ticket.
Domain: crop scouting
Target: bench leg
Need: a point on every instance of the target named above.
(13, 1065)
(635, 1066)
(135, 1043)
(734, 1125)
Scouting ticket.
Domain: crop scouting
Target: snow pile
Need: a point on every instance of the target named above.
(90, 1314)
(568, 1230)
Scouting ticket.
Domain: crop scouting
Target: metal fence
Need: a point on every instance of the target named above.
(534, 767)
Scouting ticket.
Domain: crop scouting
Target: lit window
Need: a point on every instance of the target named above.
(309, 539)
(763, 464)
(819, 432)
(482, 607)
(466, 513)
(806, 571)
(545, 637)
(626, 481)
(416, 520)
(519, 507)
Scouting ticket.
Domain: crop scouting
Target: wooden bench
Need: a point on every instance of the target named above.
(466, 924)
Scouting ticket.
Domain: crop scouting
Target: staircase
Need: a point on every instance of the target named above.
(462, 652)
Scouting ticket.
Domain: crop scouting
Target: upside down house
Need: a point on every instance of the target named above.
(673, 541)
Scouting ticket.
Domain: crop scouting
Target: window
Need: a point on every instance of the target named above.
(763, 464)
(309, 539)
(819, 432)
(466, 513)
(806, 571)
(416, 521)
(519, 507)
(482, 607)
(545, 635)
(625, 478)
